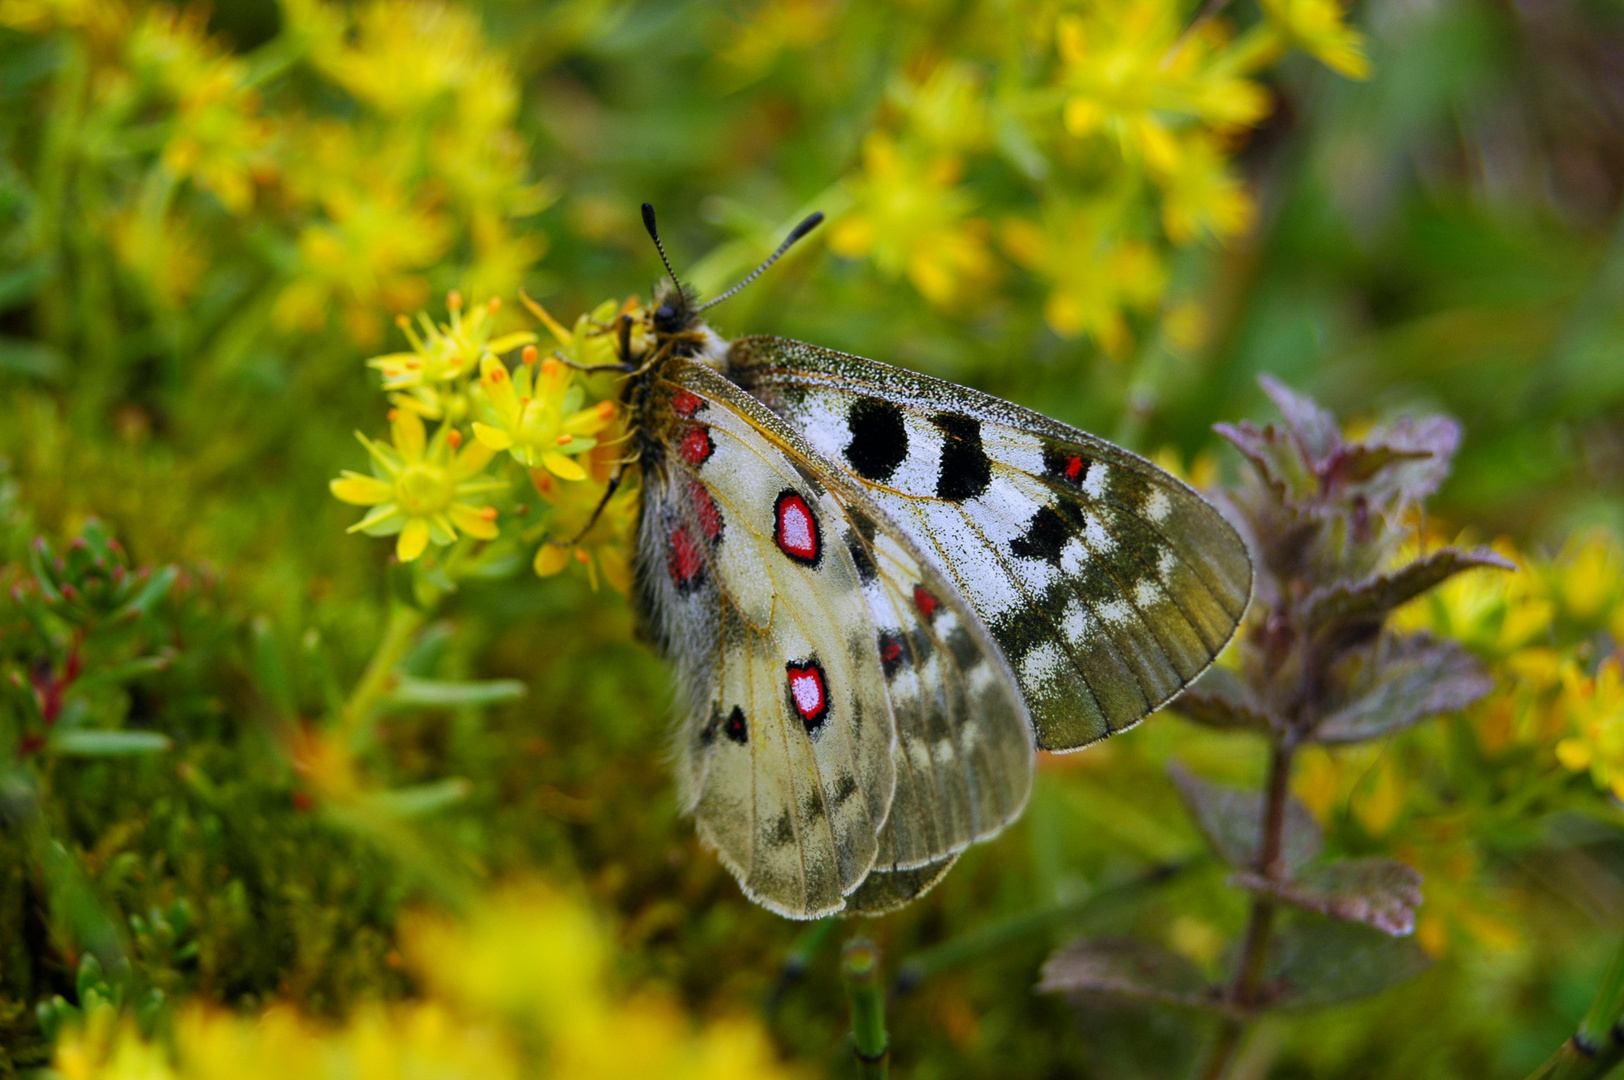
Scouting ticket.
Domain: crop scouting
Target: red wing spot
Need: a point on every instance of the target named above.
(1074, 468)
(685, 403)
(891, 650)
(795, 529)
(926, 601)
(808, 692)
(683, 560)
(710, 518)
(696, 447)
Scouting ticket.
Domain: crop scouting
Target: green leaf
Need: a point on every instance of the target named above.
(410, 693)
(1370, 600)
(1220, 700)
(1232, 822)
(420, 800)
(1130, 968)
(1315, 962)
(30, 358)
(1405, 681)
(156, 589)
(85, 742)
(1382, 893)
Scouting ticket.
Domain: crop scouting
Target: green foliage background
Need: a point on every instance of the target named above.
(182, 327)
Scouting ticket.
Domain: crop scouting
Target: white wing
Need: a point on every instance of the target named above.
(844, 711)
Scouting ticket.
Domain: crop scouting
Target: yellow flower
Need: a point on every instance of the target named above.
(1199, 194)
(1586, 580)
(1490, 611)
(1316, 27)
(910, 218)
(1122, 78)
(604, 547)
(1093, 276)
(443, 354)
(594, 339)
(419, 487)
(1595, 709)
(217, 139)
(535, 414)
(947, 108)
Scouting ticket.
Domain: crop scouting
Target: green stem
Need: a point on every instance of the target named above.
(1260, 924)
(1598, 1046)
(860, 965)
(355, 719)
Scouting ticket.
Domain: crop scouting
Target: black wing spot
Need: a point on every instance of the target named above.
(879, 438)
(893, 653)
(1046, 534)
(736, 728)
(783, 832)
(964, 471)
(845, 788)
(1065, 465)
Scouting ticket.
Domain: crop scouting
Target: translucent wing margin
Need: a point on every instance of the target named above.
(843, 711)
(1107, 583)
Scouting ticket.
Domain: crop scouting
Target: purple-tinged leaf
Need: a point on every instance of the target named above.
(1315, 428)
(1315, 962)
(1220, 700)
(1232, 822)
(1428, 446)
(1127, 968)
(1406, 681)
(1357, 463)
(1372, 598)
(1379, 892)
(1275, 455)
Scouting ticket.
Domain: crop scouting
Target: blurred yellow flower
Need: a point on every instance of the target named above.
(947, 108)
(594, 338)
(535, 414)
(910, 217)
(605, 547)
(105, 20)
(1490, 611)
(775, 27)
(1316, 27)
(1122, 78)
(419, 487)
(1594, 705)
(218, 139)
(1586, 582)
(1093, 276)
(1199, 194)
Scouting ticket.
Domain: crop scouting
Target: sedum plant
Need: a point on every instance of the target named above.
(1330, 521)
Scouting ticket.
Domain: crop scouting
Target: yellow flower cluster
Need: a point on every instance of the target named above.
(520, 989)
(1124, 107)
(429, 488)
(424, 176)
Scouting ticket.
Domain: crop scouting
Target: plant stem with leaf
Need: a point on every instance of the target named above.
(860, 967)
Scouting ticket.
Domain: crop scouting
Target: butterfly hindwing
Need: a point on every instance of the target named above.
(791, 607)
(1107, 584)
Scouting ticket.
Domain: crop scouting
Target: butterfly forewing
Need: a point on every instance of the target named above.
(1107, 584)
(809, 633)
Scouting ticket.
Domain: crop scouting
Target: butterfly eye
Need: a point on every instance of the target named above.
(666, 319)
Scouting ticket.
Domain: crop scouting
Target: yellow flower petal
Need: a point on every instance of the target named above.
(562, 467)
(487, 436)
(1575, 754)
(413, 539)
(474, 456)
(358, 490)
(409, 437)
(498, 386)
(509, 342)
(550, 559)
(477, 521)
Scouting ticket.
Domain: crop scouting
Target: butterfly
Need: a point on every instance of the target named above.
(882, 593)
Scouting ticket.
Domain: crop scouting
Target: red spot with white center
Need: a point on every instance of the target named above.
(795, 530)
(808, 692)
(685, 403)
(683, 560)
(696, 447)
(925, 601)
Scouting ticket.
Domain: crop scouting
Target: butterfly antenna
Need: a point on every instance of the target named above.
(654, 234)
(812, 221)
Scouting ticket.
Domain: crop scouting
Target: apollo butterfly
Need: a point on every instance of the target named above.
(882, 593)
